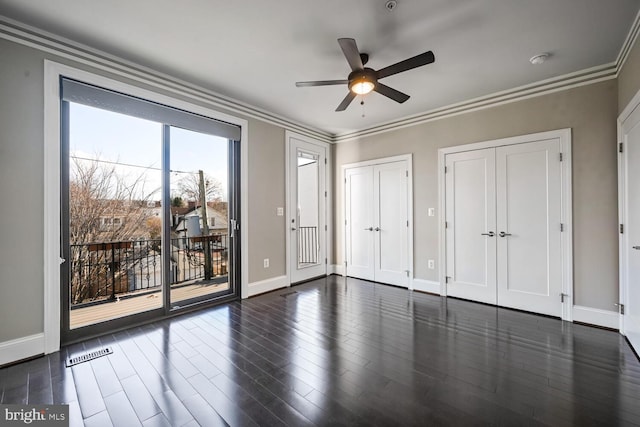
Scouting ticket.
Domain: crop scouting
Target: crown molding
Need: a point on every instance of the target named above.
(631, 39)
(26, 35)
(33, 37)
(543, 87)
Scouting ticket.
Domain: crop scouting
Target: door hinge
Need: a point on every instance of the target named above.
(406, 173)
(325, 194)
(446, 224)
(407, 271)
(325, 228)
(620, 147)
(345, 222)
(326, 261)
(561, 156)
(325, 160)
(445, 169)
(407, 223)
(561, 227)
(620, 308)
(563, 296)
(446, 279)
(621, 228)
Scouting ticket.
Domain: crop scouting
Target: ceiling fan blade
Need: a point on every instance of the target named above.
(346, 101)
(390, 92)
(322, 83)
(350, 50)
(407, 64)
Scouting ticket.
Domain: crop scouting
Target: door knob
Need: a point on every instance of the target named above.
(369, 229)
(293, 229)
(377, 228)
(503, 234)
(490, 234)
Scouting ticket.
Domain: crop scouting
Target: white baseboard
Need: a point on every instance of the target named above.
(596, 316)
(267, 285)
(336, 269)
(21, 348)
(426, 286)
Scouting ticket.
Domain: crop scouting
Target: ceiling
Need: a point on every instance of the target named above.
(254, 51)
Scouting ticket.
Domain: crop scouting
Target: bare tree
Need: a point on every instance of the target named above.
(106, 208)
(189, 188)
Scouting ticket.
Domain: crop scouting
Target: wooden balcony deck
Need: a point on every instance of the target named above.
(137, 304)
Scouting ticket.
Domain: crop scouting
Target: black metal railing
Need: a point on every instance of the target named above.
(308, 245)
(109, 270)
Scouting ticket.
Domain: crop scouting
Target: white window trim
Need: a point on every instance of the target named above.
(52, 259)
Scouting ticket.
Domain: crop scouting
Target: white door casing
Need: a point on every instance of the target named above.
(471, 225)
(528, 227)
(314, 194)
(629, 191)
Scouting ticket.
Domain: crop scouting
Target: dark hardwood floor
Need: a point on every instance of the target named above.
(343, 352)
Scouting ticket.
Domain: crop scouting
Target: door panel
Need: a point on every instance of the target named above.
(360, 222)
(470, 212)
(307, 203)
(631, 318)
(529, 213)
(391, 238)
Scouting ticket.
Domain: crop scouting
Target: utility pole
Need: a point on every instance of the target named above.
(205, 228)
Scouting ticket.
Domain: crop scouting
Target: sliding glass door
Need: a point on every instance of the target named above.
(149, 202)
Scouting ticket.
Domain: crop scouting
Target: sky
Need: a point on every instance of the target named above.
(125, 140)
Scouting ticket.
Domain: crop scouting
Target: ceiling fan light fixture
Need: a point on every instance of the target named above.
(362, 87)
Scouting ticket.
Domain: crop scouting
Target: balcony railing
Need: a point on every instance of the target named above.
(111, 270)
(308, 245)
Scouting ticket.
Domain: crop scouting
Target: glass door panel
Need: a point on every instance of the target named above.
(113, 215)
(199, 216)
(308, 209)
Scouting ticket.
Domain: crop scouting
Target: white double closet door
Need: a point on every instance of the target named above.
(503, 226)
(377, 223)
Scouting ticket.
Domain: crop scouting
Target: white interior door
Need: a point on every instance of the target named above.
(528, 179)
(391, 237)
(471, 219)
(630, 251)
(307, 210)
(360, 222)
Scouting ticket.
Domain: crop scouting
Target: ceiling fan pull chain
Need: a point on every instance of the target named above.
(362, 103)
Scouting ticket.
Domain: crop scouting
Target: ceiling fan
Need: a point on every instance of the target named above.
(363, 80)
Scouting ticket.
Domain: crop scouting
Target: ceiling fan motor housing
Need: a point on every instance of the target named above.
(364, 75)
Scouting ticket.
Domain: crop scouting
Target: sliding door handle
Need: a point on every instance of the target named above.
(368, 229)
(490, 234)
(635, 247)
(503, 234)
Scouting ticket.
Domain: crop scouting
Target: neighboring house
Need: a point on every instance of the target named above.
(185, 225)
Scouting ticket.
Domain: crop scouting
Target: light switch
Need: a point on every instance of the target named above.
(431, 212)
(280, 211)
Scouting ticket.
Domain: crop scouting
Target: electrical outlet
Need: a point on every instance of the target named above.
(431, 212)
(431, 264)
(266, 263)
(280, 211)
